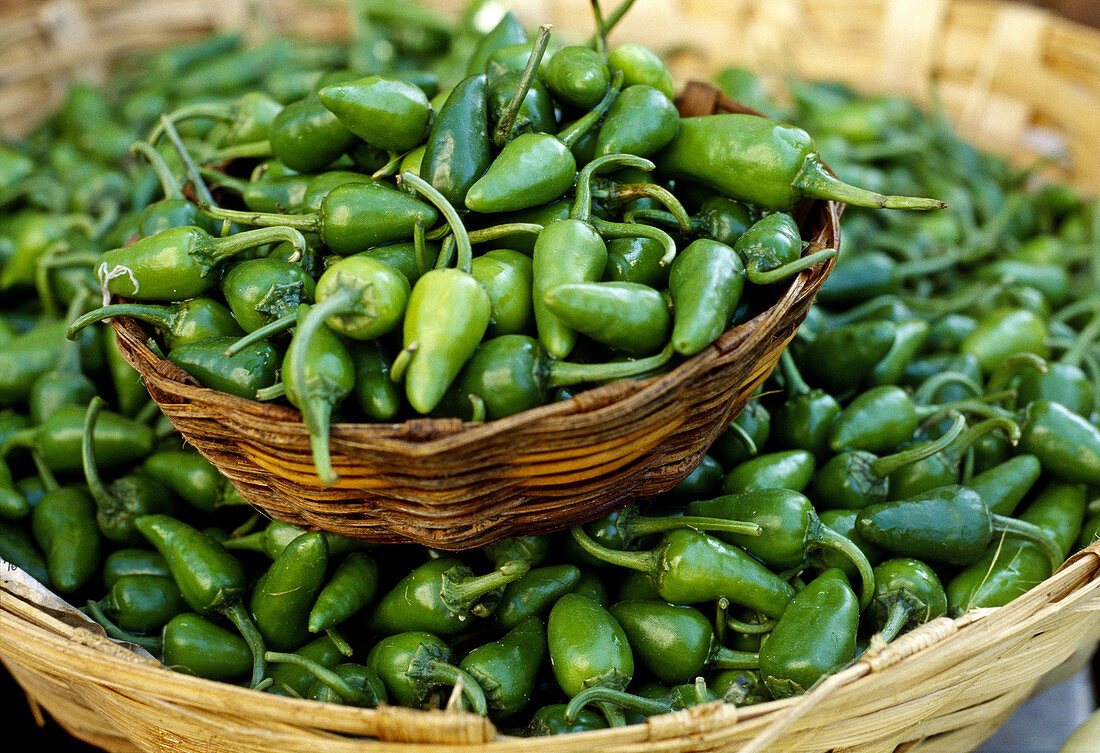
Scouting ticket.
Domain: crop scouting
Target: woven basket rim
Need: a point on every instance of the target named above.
(1077, 580)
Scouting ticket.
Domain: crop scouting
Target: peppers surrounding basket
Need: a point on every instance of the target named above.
(929, 444)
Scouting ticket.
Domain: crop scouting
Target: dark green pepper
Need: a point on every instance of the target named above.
(64, 526)
(143, 603)
(908, 593)
(285, 593)
(412, 665)
(458, 147)
(196, 646)
(385, 112)
(507, 669)
(349, 590)
(178, 323)
(248, 370)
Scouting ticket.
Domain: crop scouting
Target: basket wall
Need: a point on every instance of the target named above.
(946, 686)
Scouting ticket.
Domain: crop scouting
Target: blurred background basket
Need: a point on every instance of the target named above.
(1018, 81)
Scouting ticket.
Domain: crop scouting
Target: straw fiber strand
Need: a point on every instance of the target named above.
(945, 686)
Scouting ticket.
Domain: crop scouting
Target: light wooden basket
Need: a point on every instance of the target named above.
(1018, 81)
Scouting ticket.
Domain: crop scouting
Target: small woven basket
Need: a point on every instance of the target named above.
(453, 485)
(1032, 84)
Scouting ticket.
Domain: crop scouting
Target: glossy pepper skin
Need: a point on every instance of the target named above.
(675, 642)
(284, 594)
(179, 323)
(118, 440)
(815, 636)
(508, 668)
(143, 603)
(306, 136)
(587, 647)
(250, 369)
(412, 665)
(1067, 445)
(64, 527)
(196, 646)
(534, 593)
(642, 120)
(259, 291)
(763, 162)
(439, 597)
(210, 578)
(705, 282)
(385, 112)
(458, 147)
(690, 567)
(178, 263)
(349, 590)
(626, 316)
(908, 593)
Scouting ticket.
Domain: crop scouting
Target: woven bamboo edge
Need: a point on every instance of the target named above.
(945, 686)
(1018, 79)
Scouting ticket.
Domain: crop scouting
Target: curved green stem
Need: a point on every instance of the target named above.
(751, 628)
(727, 658)
(582, 202)
(242, 620)
(565, 373)
(896, 620)
(458, 230)
(282, 324)
(574, 132)
(150, 643)
(202, 192)
(643, 526)
(931, 386)
(205, 110)
(642, 561)
(459, 593)
(168, 181)
(609, 229)
(822, 535)
(252, 149)
(338, 684)
(503, 132)
(436, 672)
(816, 181)
(888, 464)
(1021, 529)
(780, 273)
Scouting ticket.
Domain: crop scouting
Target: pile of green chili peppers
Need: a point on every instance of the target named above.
(928, 444)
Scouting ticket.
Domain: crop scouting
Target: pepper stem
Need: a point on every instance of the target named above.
(896, 620)
(727, 658)
(930, 387)
(751, 628)
(426, 670)
(1021, 529)
(458, 230)
(886, 465)
(790, 269)
(310, 223)
(576, 130)
(223, 248)
(103, 497)
(609, 229)
(205, 110)
(642, 561)
(817, 182)
(160, 316)
(160, 167)
(503, 132)
(676, 213)
(339, 685)
(150, 643)
(642, 526)
(620, 699)
(792, 377)
(565, 373)
(238, 615)
(459, 592)
(249, 150)
(197, 183)
(1080, 348)
(582, 203)
(282, 324)
(821, 535)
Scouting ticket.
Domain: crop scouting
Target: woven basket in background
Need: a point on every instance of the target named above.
(1015, 79)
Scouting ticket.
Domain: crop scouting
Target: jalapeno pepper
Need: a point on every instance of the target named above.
(908, 593)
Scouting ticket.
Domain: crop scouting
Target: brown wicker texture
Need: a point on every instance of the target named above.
(454, 485)
(944, 687)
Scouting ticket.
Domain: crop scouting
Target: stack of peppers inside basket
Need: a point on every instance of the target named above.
(433, 220)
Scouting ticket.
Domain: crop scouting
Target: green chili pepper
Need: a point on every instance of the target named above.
(507, 668)
(353, 217)
(178, 263)
(1010, 568)
(689, 567)
(1003, 332)
(587, 648)
(550, 720)
(533, 593)
(763, 162)
(285, 593)
(191, 477)
(196, 646)
(508, 31)
(1067, 445)
(623, 315)
(844, 523)
(675, 642)
(705, 283)
(783, 469)
(127, 498)
(306, 136)
(143, 603)
(843, 358)
(908, 593)
(790, 530)
(1005, 485)
(951, 525)
(211, 580)
(447, 316)
(242, 374)
(458, 147)
(385, 112)
(64, 527)
(296, 681)
(132, 561)
(66, 383)
(744, 436)
(506, 276)
(804, 419)
(275, 537)
(118, 440)
(440, 596)
(814, 637)
(412, 665)
(179, 323)
(259, 291)
(856, 478)
(19, 549)
(351, 589)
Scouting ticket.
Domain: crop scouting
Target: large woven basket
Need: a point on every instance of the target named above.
(1028, 79)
